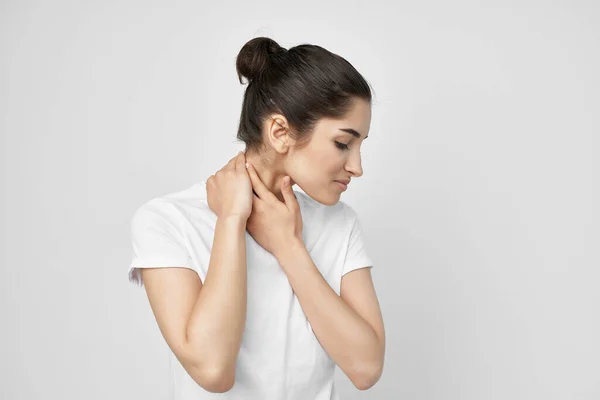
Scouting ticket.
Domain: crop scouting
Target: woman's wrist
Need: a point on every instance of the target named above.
(233, 219)
(289, 248)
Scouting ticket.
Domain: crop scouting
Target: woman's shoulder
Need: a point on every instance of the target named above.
(177, 204)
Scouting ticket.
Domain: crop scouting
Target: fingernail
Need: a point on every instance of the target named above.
(246, 165)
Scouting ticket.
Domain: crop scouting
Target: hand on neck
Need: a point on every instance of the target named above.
(270, 170)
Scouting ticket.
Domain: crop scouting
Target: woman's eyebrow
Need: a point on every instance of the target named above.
(352, 132)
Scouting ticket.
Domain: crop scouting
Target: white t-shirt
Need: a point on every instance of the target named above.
(280, 356)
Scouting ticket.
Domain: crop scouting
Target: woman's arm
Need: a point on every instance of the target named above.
(349, 326)
(203, 324)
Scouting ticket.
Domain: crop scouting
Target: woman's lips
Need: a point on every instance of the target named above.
(341, 185)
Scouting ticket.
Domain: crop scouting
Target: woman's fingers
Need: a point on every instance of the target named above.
(231, 163)
(259, 187)
(240, 161)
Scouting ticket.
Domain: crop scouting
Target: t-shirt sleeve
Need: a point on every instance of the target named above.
(356, 252)
(155, 241)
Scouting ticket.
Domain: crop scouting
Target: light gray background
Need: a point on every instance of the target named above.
(479, 197)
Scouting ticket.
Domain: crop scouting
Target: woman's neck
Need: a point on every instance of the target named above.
(270, 174)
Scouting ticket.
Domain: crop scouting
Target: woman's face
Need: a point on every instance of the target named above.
(332, 154)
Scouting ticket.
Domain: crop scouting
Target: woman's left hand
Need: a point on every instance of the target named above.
(273, 224)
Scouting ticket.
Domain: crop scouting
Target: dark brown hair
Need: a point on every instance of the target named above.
(304, 83)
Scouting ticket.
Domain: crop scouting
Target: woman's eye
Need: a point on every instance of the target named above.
(342, 146)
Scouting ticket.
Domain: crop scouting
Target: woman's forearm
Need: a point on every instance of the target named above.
(348, 339)
(217, 322)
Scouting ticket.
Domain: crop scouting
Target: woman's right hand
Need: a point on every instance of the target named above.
(230, 189)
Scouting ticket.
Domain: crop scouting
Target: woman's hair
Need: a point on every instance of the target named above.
(304, 83)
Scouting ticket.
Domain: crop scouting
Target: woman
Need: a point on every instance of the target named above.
(259, 290)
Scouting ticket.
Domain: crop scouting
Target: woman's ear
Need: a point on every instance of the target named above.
(278, 133)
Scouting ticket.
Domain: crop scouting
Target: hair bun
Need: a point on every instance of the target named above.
(255, 57)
